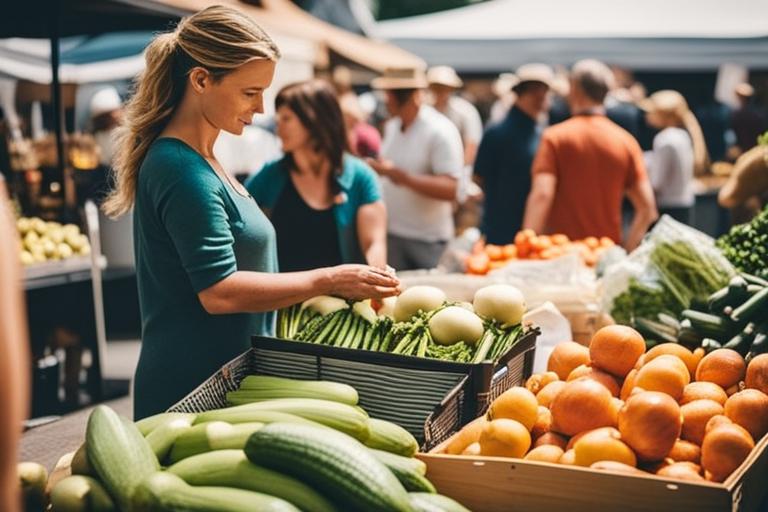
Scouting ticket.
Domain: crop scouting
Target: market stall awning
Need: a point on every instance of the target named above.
(283, 17)
(653, 34)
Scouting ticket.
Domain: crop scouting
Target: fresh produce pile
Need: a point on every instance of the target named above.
(420, 322)
(746, 246)
(296, 445)
(530, 246)
(680, 274)
(734, 317)
(49, 241)
(613, 406)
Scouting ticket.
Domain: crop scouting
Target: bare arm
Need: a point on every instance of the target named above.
(253, 292)
(470, 152)
(539, 201)
(14, 361)
(641, 197)
(372, 233)
(435, 186)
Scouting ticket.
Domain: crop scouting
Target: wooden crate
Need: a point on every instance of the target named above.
(494, 484)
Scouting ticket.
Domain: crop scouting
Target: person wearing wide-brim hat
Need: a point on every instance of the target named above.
(503, 165)
(679, 152)
(421, 160)
(443, 85)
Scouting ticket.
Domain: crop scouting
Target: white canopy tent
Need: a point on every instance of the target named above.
(681, 35)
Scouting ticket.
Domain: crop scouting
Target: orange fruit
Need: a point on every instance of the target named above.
(582, 405)
(566, 356)
(616, 467)
(504, 438)
(757, 373)
(587, 372)
(674, 349)
(517, 404)
(616, 348)
(494, 252)
(696, 414)
(682, 471)
(537, 381)
(749, 408)
(568, 458)
(629, 384)
(698, 355)
(617, 404)
(606, 431)
(650, 423)
(685, 451)
(606, 242)
(592, 242)
(725, 448)
(478, 264)
(469, 433)
(724, 367)
(545, 453)
(543, 423)
(551, 438)
(598, 446)
(732, 390)
(702, 390)
(665, 373)
(560, 239)
(549, 392)
(472, 450)
(716, 421)
(510, 251)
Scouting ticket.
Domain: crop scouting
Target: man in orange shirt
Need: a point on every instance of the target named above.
(585, 166)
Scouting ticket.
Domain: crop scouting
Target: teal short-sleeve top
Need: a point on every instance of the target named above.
(358, 185)
(191, 230)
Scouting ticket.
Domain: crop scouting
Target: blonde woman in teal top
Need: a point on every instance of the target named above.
(325, 204)
(205, 254)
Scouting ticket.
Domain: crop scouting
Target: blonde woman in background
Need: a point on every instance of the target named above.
(206, 261)
(14, 360)
(679, 153)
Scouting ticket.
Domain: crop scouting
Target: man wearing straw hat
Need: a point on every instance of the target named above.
(421, 162)
(503, 165)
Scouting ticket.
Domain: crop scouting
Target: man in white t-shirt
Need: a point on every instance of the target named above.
(421, 162)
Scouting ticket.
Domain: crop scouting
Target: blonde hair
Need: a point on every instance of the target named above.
(219, 39)
(673, 106)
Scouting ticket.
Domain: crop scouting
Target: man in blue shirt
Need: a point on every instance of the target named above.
(503, 164)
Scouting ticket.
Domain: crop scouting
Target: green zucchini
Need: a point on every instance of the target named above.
(342, 417)
(708, 344)
(751, 279)
(208, 437)
(409, 471)
(753, 307)
(743, 340)
(119, 454)
(390, 437)
(759, 346)
(162, 438)
(231, 468)
(712, 326)
(78, 493)
(425, 502)
(165, 492)
(334, 463)
(261, 387)
(150, 423)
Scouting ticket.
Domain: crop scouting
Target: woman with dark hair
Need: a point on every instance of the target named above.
(325, 204)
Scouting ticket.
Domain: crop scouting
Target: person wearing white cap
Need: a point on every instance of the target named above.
(443, 84)
(422, 159)
(106, 116)
(503, 165)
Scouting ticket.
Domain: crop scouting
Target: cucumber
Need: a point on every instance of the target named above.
(753, 307)
(79, 493)
(208, 437)
(262, 387)
(655, 330)
(231, 468)
(119, 454)
(425, 502)
(718, 300)
(751, 279)
(708, 344)
(759, 346)
(712, 326)
(342, 417)
(165, 492)
(409, 471)
(742, 341)
(390, 437)
(334, 463)
(150, 423)
(162, 438)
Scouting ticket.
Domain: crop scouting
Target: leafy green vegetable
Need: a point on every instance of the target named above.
(746, 245)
